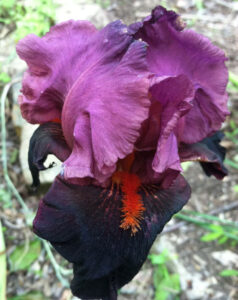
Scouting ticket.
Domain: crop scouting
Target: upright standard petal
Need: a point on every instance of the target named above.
(175, 95)
(97, 83)
(83, 224)
(109, 103)
(54, 63)
(171, 99)
(172, 52)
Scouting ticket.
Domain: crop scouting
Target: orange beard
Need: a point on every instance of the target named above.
(132, 209)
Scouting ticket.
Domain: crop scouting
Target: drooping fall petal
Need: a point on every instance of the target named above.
(83, 224)
(209, 153)
(47, 139)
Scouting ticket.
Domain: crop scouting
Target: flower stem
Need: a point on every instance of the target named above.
(58, 269)
(4, 147)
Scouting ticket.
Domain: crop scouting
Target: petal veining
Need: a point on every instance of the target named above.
(83, 224)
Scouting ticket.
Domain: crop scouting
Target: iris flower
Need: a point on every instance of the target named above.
(121, 107)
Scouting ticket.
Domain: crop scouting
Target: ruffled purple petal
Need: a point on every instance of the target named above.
(171, 99)
(175, 95)
(96, 83)
(83, 224)
(47, 139)
(172, 52)
(54, 63)
(209, 153)
(105, 123)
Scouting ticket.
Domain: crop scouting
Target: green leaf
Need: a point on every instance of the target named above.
(211, 236)
(4, 77)
(24, 255)
(14, 155)
(159, 259)
(7, 4)
(223, 240)
(216, 228)
(233, 78)
(166, 285)
(234, 243)
(231, 163)
(212, 226)
(5, 198)
(3, 265)
(35, 17)
(168, 288)
(229, 273)
(233, 124)
(186, 165)
(30, 296)
(199, 4)
(235, 188)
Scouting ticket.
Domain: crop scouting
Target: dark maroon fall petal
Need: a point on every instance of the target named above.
(209, 153)
(83, 225)
(47, 139)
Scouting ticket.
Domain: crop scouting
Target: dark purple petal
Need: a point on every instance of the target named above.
(83, 224)
(47, 139)
(209, 153)
(172, 52)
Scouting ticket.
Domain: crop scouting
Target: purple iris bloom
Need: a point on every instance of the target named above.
(122, 107)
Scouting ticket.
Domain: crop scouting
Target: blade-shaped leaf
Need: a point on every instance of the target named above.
(30, 296)
(3, 265)
(24, 255)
